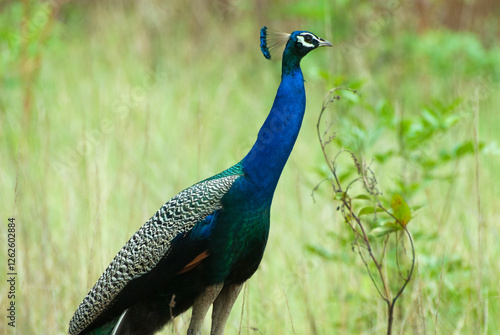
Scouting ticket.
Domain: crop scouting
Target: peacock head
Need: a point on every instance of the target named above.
(298, 43)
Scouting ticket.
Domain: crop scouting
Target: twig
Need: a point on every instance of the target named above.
(289, 312)
(439, 294)
(171, 306)
(481, 224)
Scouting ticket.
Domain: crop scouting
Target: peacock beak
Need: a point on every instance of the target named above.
(324, 43)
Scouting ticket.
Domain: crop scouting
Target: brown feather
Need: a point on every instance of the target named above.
(195, 262)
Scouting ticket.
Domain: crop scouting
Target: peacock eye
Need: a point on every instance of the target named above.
(308, 38)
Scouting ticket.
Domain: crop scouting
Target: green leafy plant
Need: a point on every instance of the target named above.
(379, 231)
(410, 148)
(411, 141)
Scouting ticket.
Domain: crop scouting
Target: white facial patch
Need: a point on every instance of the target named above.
(301, 39)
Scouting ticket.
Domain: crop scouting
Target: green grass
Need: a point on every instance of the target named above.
(130, 104)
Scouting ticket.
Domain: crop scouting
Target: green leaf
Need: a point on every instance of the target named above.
(384, 156)
(430, 118)
(369, 210)
(401, 210)
(319, 251)
(351, 96)
(339, 196)
(322, 171)
(451, 120)
(345, 174)
(362, 197)
(384, 230)
(466, 148)
(416, 207)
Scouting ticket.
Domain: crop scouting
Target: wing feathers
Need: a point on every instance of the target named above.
(151, 243)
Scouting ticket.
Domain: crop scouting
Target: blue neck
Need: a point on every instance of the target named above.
(267, 158)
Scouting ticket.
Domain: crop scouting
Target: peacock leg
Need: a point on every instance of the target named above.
(201, 306)
(222, 307)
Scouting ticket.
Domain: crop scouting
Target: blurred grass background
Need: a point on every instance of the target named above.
(109, 108)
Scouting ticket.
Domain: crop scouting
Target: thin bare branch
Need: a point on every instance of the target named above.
(439, 295)
(362, 243)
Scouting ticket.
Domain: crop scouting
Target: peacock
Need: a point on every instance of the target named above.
(200, 247)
